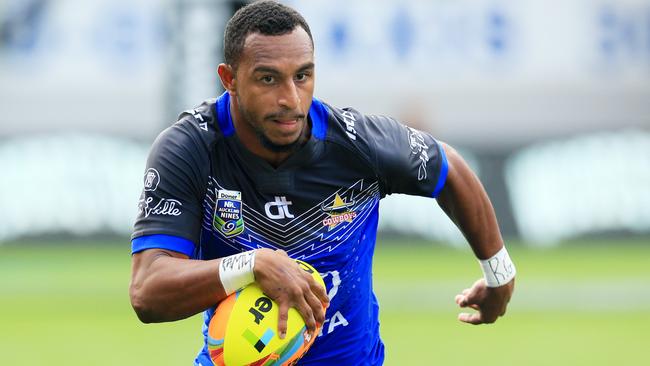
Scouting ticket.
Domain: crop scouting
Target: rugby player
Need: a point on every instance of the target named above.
(265, 173)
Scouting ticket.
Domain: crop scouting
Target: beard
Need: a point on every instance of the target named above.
(265, 140)
(267, 143)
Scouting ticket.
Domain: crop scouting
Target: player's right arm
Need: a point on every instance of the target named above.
(166, 284)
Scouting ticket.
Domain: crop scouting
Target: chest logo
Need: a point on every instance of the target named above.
(228, 218)
(338, 212)
(278, 209)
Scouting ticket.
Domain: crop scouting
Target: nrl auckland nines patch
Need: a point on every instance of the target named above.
(228, 218)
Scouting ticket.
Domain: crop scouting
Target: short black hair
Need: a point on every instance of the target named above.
(266, 17)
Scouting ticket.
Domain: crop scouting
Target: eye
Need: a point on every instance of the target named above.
(301, 76)
(268, 79)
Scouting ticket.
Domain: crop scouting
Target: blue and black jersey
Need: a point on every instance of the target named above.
(207, 196)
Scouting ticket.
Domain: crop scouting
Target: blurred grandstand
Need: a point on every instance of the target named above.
(549, 101)
(551, 105)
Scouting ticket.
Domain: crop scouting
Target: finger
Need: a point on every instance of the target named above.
(283, 316)
(320, 292)
(307, 315)
(463, 301)
(473, 296)
(316, 307)
(474, 318)
(460, 300)
(280, 251)
(465, 294)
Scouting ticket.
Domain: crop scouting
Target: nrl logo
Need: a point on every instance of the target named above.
(228, 218)
(338, 212)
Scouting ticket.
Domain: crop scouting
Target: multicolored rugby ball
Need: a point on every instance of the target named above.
(244, 330)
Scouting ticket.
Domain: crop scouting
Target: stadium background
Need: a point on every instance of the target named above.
(549, 102)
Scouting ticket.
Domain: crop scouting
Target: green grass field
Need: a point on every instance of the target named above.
(574, 305)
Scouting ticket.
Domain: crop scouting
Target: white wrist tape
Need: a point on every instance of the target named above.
(499, 269)
(236, 271)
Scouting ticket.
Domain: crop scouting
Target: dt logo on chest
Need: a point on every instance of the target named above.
(278, 209)
(228, 218)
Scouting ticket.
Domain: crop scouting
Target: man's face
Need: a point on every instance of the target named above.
(274, 87)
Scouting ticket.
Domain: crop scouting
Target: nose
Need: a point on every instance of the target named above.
(289, 97)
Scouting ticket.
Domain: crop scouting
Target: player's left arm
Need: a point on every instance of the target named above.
(465, 201)
(413, 162)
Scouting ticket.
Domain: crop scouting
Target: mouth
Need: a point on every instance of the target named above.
(285, 118)
(288, 122)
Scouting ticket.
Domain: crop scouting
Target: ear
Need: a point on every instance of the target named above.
(227, 76)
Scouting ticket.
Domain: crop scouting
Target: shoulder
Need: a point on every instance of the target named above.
(360, 132)
(345, 128)
(194, 131)
(184, 149)
(199, 124)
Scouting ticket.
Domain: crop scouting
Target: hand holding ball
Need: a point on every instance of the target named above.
(243, 329)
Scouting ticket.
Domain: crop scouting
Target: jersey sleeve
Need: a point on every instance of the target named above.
(173, 182)
(407, 160)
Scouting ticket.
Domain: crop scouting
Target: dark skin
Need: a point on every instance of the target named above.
(465, 201)
(271, 91)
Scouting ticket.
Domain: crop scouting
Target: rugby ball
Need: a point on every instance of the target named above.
(244, 330)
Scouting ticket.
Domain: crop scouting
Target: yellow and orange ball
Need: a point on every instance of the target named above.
(243, 330)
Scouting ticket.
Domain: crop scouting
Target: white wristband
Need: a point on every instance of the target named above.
(236, 271)
(499, 269)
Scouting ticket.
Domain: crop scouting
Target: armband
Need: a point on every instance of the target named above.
(236, 271)
(498, 269)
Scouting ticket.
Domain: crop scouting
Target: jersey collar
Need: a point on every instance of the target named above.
(317, 113)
